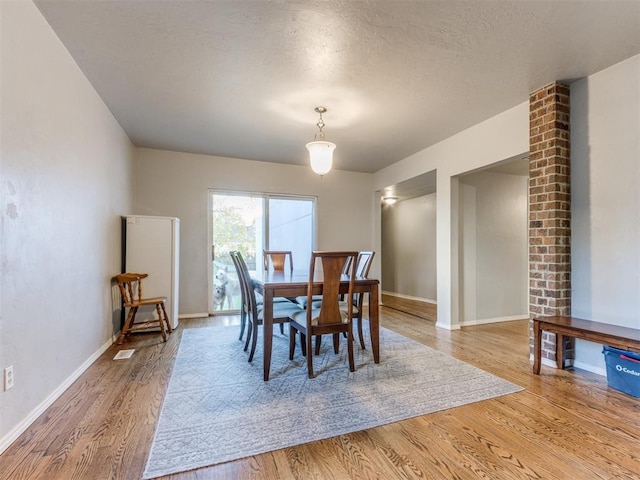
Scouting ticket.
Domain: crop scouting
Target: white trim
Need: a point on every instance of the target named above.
(580, 365)
(447, 326)
(484, 321)
(26, 422)
(408, 297)
(590, 368)
(193, 315)
(544, 361)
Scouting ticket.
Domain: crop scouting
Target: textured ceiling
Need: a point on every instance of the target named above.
(241, 78)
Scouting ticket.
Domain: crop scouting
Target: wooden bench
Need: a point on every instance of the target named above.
(613, 335)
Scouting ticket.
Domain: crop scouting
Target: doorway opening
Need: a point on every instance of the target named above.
(408, 247)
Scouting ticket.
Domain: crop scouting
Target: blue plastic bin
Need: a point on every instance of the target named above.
(623, 370)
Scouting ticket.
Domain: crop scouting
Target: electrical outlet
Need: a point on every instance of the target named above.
(8, 378)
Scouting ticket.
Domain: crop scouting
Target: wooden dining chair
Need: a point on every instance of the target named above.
(244, 302)
(363, 265)
(317, 299)
(277, 259)
(130, 285)
(329, 317)
(245, 308)
(255, 310)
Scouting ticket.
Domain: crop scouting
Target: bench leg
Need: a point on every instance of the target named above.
(560, 351)
(537, 347)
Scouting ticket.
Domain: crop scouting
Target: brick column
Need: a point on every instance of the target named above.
(549, 210)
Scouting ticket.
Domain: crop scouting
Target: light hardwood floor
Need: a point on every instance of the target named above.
(564, 425)
(417, 308)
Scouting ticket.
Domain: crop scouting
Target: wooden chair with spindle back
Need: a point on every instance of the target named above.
(130, 285)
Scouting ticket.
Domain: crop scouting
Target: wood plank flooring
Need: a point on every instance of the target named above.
(564, 425)
(417, 308)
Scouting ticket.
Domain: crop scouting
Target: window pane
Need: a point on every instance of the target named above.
(237, 225)
(291, 228)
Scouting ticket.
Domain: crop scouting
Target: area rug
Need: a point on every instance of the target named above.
(217, 407)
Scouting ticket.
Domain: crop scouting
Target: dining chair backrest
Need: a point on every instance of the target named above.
(347, 266)
(277, 259)
(246, 284)
(364, 263)
(362, 270)
(130, 285)
(244, 306)
(236, 263)
(332, 264)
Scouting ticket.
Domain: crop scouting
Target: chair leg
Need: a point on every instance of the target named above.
(292, 341)
(254, 342)
(352, 366)
(282, 329)
(127, 324)
(318, 343)
(160, 323)
(303, 343)
(243, 323)
(309, 355)
(250, 328)
(360, 334)
(166, 318)
(336, 342)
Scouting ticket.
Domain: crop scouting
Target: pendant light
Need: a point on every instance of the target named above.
(320, 151)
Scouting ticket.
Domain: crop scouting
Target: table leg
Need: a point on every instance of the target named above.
(374, 323)
(267, 330)
(537, 346)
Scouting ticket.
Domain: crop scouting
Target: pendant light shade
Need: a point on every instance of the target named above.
(321, 151)
(321, 156)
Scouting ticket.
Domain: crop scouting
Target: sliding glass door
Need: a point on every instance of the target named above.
(290, 227)
(251, 223)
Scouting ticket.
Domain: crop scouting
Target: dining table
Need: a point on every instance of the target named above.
(294, 283)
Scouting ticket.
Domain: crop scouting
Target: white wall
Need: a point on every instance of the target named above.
(605, 164)
(605, 180)
(499, 138)
(65, 166)
(493, 247)
(176, 184)
(409, 247)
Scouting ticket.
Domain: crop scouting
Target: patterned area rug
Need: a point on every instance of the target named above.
(217, 407)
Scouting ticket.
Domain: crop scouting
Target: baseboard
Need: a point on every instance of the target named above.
(484, 321)
(447, 326)
(544, 361)
(590, 368)
(408, 297)
(193, 315)
(21, 427)
(582, 366)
